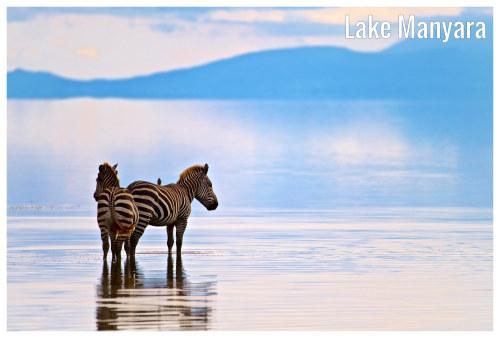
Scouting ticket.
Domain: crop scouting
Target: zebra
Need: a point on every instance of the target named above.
(170, 205)
(117, 214)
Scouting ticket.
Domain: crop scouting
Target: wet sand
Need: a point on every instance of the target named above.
(283, 271)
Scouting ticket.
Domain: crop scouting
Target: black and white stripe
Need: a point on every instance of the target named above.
(117, 214)
(170, 205)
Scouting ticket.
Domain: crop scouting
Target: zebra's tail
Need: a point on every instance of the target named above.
(118, 227)
(121, 228)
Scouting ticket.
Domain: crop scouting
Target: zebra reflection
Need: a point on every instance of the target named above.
(129, 300)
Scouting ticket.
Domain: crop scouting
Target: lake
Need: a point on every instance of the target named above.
(323, 220)
(342, 269)
(262, 154)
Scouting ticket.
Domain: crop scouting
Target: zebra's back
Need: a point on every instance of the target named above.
(118, 212)
(158, 205)
(145, 195)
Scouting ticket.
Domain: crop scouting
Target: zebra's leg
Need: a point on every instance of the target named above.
(116, 248)
(134, 239)
(180, 227)
(127, 246)
(130, 272)
(105, 241)
(170, 238)
(119, 246)
(113, 249)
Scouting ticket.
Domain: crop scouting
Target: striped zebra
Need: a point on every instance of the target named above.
(170, 205)
(117, 214)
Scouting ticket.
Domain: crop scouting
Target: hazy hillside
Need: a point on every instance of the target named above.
(412, 69)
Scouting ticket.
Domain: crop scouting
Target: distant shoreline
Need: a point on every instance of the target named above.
(316, 73)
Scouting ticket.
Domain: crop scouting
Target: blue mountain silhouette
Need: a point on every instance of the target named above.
(415, 69)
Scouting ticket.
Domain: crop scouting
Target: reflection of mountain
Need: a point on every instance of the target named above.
(129, 300)
(412, 69)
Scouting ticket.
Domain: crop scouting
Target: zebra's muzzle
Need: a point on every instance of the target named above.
(213, 206)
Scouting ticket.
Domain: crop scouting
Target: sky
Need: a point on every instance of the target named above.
(262, 154)
(119, 42)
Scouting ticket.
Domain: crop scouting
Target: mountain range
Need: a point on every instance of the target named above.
(413, 69)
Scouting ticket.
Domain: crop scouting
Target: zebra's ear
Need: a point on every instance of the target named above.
(116, 165)
(101, 167)
(206, 168)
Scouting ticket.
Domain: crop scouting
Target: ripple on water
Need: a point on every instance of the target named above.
(358, 276)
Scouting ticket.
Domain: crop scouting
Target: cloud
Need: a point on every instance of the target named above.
(98, 45)
(88, 52)
(27, 13)
(329, 16)
(112, 43)
(248, 15)
(336, 16)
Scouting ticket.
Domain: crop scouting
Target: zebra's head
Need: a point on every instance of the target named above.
(106, 178)
(196, 179)
(205, 194)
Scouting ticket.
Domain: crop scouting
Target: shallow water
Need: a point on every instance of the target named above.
(336, 153)
(383, 270)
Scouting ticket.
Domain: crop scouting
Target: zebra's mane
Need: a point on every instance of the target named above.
(107, 168)
(190, 170)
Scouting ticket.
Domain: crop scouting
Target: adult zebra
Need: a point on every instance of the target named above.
(117, 214)
(170, 205)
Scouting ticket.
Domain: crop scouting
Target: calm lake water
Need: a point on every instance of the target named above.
(382, 269)
(336, 153)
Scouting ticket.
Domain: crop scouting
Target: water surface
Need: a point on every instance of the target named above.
(262, 154)
(385, 269)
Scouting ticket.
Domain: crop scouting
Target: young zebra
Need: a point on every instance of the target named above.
(170, 205)
(117, 213)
